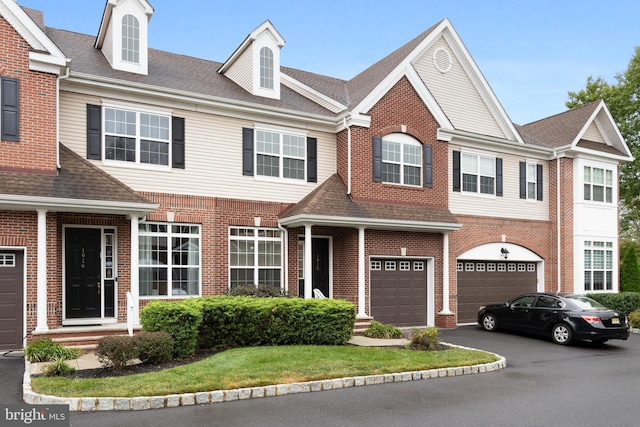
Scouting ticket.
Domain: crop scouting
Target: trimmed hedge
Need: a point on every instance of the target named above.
(226, 321)
(625, 302)
(179, 319)
(247, 321)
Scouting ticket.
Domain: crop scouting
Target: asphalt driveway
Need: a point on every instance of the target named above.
(11, 375)
(543, 384)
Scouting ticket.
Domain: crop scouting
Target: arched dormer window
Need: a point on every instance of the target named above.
(130, 39)
(266, 68)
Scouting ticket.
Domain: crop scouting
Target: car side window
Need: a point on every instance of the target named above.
(548, 302)
(523, 301)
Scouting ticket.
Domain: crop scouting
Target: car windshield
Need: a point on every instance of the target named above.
(585, 303)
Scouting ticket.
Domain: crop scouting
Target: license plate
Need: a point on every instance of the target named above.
(615, 321)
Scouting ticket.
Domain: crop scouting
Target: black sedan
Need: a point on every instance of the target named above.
(563, 317)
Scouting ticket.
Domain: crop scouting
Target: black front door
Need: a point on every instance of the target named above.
(320, 263)
(82, 273)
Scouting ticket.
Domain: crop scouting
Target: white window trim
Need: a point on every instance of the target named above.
(605, 186)
(608, 246)
(169, 234)
(405, 140)
(256, 265)
(281, 132)
(138, 109)
(534, 197)
(478, 156)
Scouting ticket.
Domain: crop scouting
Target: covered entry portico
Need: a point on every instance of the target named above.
(329, 206)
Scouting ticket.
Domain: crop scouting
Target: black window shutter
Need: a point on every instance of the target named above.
(539, 182)
(428, 166)
(377, 159)
(456, 171)
(499, 177)
(177, 143)
(94, 132)
(523, 180)
(312, 159)
(247, 151)
(10, 109)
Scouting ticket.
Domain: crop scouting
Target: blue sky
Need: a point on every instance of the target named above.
(531, 52)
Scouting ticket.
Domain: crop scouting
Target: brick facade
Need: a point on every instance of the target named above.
(36, 150)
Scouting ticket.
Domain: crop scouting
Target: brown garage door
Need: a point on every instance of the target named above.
(11, 276)
(481, 282)
(399, 292)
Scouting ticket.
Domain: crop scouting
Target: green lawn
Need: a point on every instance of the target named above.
(260, 366)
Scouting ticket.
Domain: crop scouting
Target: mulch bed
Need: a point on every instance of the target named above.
(141, 368)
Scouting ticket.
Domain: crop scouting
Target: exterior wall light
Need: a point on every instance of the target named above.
(504, 253)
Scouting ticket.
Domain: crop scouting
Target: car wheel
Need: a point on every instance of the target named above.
(489, 322)
(561, 334)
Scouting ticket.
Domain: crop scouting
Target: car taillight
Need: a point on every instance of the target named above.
(591, 319)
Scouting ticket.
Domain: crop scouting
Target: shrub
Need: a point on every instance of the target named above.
(155, 348)
(379, 330)
(263, 291)
(629, 270)
(117, 351)
(45, 350)
(426, 339)
(58, 368)
(180, 319)
(625, 302)
(634, 319)
(248, 321)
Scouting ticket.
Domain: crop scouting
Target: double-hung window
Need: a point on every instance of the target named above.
(598, 266)
(598, 184)
(136, 137)
(401, 162)
(169, 259)
(532, 177)
(478, 174)
(280, 155)
(255, 256)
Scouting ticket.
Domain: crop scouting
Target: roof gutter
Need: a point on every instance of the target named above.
(19, 202)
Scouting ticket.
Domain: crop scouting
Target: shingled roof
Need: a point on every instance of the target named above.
(330, 202)
(79, 185)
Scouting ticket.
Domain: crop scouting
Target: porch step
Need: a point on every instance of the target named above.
(361, 325)
(84, 338)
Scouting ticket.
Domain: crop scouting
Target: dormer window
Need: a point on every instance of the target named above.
(130, 39)
(123, 36)
(266, 68)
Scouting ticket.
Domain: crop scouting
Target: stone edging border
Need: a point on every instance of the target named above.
(92, 404)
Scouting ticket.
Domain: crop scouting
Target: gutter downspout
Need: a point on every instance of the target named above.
(344, 121)
(558, 228)
(58, 79)
(285, 239)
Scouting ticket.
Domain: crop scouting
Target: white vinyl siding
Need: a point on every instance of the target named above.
(241, 71)
(593, 134)
(213, 153)
(450, 88)
(510, 205)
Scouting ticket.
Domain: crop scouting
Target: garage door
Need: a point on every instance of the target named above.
(11, 276)
(399, 292)
(481, 282)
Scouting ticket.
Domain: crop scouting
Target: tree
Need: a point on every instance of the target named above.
(630, 271)
(623, 100)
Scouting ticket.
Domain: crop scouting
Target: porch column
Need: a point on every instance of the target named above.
(445, 274)
(134, 310)
(41, 297)
(361, 275)
(308, 263)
